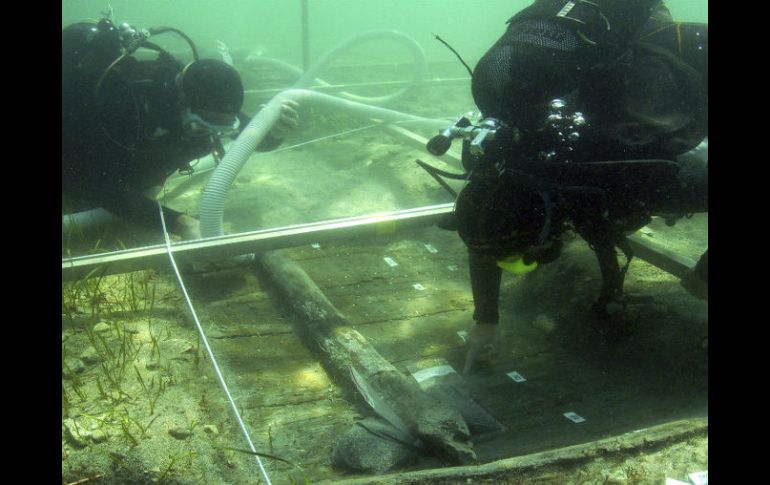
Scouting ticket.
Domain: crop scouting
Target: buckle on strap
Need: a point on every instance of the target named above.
(587, 14)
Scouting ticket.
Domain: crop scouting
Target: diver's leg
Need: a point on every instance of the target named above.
(136, 208)
(612, 277)
(485, 284)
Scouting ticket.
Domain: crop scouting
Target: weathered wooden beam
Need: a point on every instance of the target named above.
(659, 256)
(525, 469)
(339, 347)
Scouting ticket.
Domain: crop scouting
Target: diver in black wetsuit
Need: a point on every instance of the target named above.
(586, 106)
(127, 124)
(696, 281)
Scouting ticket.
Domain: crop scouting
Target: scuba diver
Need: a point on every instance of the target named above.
(696, 280)
(585, 108)
(127, 124)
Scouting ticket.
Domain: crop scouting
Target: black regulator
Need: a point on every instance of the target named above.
(491, 142)
(478, 135)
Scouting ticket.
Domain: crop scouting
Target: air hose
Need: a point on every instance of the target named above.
(306, 79)
(213, 200)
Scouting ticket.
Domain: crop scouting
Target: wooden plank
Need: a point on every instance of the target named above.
(341, 348)
(402, 323)
(660, 256)
(528, 468)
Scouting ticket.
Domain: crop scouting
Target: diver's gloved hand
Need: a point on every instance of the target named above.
(482, 345)
(288, 121)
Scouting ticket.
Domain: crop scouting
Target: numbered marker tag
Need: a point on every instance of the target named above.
(390, 261)
(418, 286)
(574, 417)
(516, 376)
(437, 371)
(431, 249)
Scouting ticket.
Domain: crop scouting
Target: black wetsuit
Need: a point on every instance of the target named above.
(127, 136)
(650, 102)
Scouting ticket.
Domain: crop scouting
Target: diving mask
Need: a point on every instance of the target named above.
(194, 125)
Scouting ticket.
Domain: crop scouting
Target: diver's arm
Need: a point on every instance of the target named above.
(135, 207)
(485, 284)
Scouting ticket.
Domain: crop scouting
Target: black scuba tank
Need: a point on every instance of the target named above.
(89, 45)
(607, 25)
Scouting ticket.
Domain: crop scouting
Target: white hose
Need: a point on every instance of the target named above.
(311, 76)
(213, 200)
(85, 221)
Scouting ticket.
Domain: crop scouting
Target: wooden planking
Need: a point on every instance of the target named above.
(229, 319)
(360, 282)
(403, 324)
(417, 338)
(341, 349)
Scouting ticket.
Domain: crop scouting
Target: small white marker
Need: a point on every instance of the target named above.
(390, 261)
(462, 334)
(452, 267)
(574, 417)
(438, 371)
(516, 376)
(315, 246)
(418, 286)
(431, 249)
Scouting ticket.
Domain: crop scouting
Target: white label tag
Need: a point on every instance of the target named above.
(574, 417)
(565, 10)
(516, 376)
(315, 246)
(462, 334)
(390, 261)
(431, 249)
(452, 267)
(418, 286)
(440, 370)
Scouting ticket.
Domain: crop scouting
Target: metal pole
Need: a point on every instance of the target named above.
(222, 247)
(305, 36)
